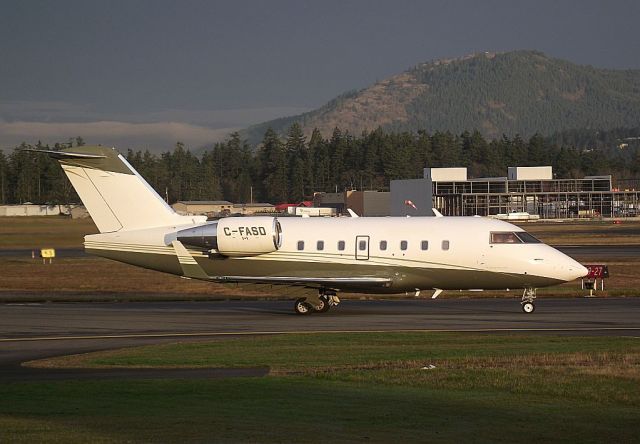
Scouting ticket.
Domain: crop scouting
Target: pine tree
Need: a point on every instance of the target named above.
(337, 148)
(25, 174)
(273, 168)
(210, 188)
(4, 178)
(297, 157)
(538, 152)
(320, 162)
(517, 154)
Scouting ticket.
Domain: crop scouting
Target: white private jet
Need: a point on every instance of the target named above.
(312, 257)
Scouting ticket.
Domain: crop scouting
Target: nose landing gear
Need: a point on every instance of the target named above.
(528, 297)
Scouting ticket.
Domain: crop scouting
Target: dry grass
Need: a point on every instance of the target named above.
(69, 278)
(98, 278)
(624, 365)
(44, 232)
(587, 232)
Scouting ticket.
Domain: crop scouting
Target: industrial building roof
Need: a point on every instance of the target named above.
(205, 202)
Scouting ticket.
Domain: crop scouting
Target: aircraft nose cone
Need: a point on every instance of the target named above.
(577, 271)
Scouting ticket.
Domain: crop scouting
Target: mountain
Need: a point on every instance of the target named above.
(519, 92)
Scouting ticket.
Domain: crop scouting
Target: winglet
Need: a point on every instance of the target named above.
(190, 268)
(352, 213)
(436, 293)
(436, 213)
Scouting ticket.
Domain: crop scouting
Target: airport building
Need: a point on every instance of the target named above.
(202, 207)
(529, 192)
(220, 208)
(253, 208)
(75, 211)
(363, 203)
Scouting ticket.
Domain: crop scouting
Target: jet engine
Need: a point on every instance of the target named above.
(235, 236)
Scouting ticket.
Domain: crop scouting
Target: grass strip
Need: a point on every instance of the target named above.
(346, 388)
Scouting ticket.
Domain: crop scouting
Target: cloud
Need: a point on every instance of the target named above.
(241, 117)
(157, 137)
(63, 112)
(156, 130)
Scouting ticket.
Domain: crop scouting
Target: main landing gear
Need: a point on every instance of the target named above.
(321, 304)
(527, 300)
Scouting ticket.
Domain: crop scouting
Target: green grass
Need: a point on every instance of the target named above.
(298, 409)
(293, 352)
(346, 388)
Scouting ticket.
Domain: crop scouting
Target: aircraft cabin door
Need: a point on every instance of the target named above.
(362, 248)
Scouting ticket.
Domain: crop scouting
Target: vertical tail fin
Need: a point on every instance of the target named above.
(115, 195)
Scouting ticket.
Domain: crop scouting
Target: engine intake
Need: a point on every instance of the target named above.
(236, 236)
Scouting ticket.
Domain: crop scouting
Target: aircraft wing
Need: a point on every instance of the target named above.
(191, 269)
(296, 291)
(307, 281)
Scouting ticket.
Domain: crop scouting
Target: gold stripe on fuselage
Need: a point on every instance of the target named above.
(328, 258)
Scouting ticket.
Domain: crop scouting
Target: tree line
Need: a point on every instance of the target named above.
(292, 167)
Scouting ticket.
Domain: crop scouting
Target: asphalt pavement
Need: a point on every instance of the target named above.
(35, 331)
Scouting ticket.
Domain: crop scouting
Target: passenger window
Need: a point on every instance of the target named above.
(383, 245)
(341, 245)
(445, 244)
(300, 245)
(320, 245)
(424, 245)
(362, 245)
(403, 245)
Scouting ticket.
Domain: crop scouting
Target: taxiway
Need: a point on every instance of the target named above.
(35, 331)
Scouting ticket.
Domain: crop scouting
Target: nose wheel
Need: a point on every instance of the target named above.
(528, 297)
(528, 307)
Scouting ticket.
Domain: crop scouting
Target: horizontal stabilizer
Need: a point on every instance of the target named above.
(65, 155)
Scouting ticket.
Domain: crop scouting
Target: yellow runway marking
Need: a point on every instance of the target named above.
(289, 332)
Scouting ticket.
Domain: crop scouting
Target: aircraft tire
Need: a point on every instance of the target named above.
(301, 307)
(528, 307)
(324, 305)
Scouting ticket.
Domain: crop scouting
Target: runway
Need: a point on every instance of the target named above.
(34, 331)
(48, 321)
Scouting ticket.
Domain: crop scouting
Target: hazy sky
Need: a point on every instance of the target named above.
(118, 71)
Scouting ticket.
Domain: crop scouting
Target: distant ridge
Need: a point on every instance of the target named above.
(519, 92)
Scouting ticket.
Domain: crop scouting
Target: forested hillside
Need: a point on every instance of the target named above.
(294, 167)
(520, 92)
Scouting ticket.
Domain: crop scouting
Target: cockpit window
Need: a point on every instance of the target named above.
(527, 238)
(503, 237)
(507, 237)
